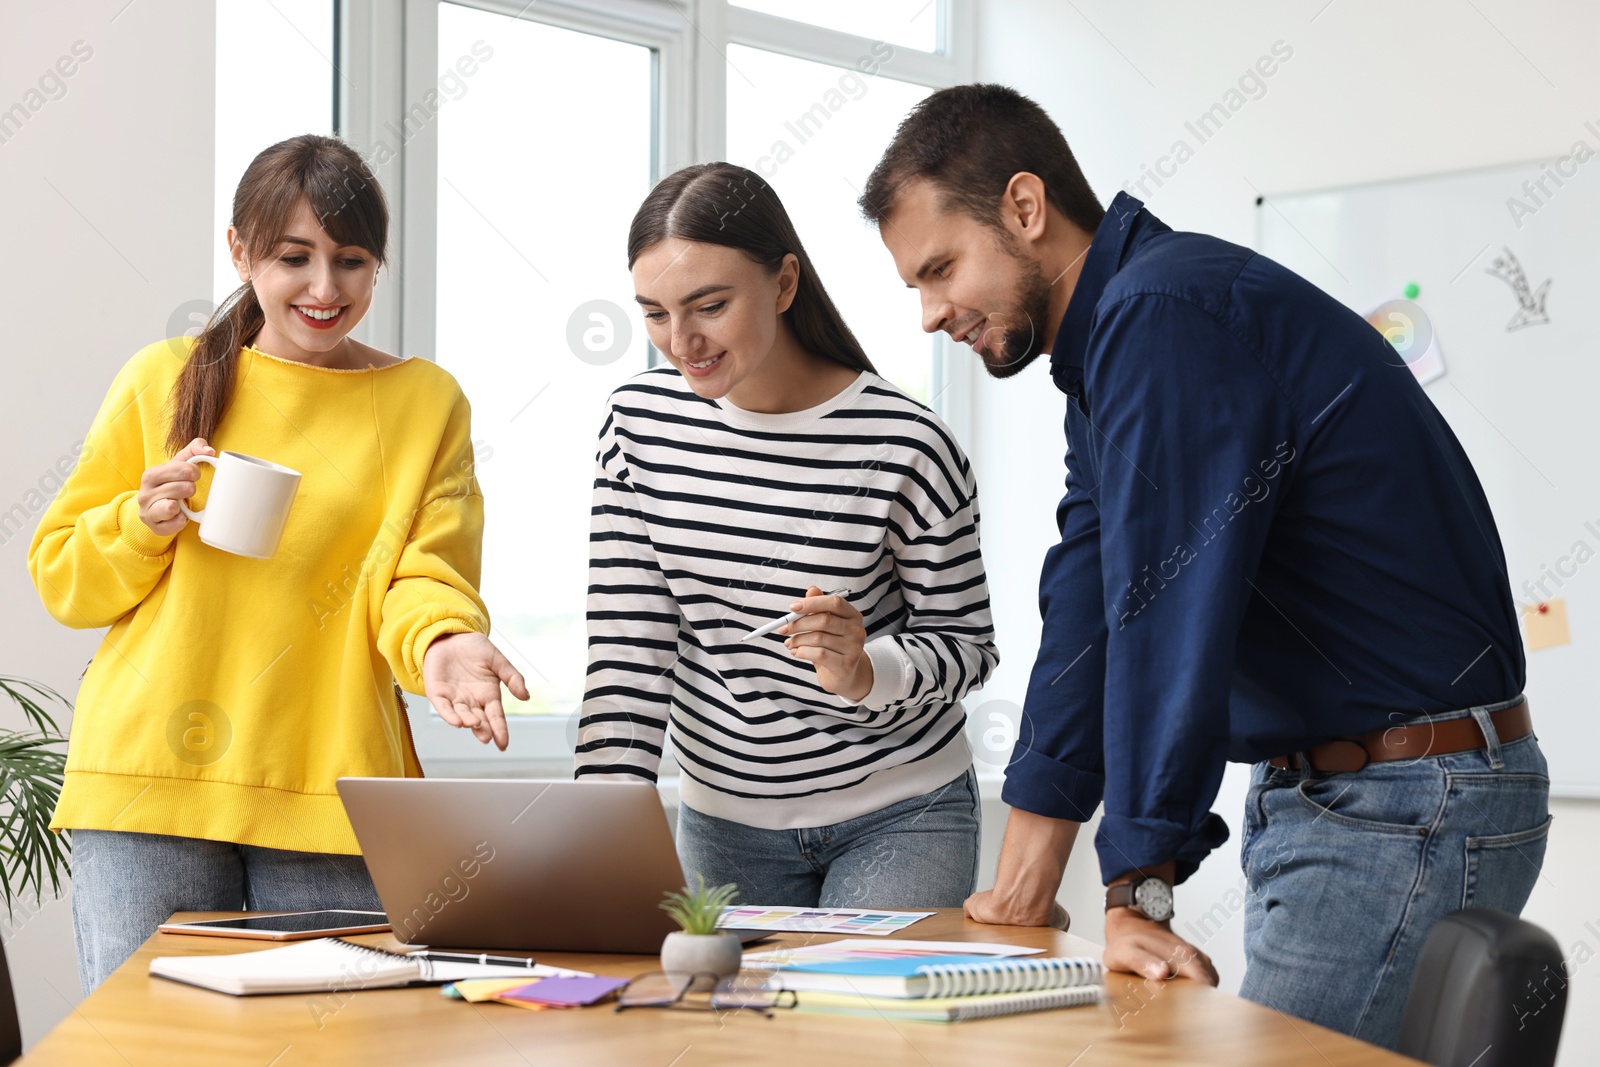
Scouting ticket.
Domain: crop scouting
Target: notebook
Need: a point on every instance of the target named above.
(942, 976)
(947, 1009)
(325, 965)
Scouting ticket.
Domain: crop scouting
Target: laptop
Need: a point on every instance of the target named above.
(532, 864)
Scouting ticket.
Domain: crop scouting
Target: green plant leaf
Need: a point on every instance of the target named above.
(17, 689)
(32, 767)
(699, 909)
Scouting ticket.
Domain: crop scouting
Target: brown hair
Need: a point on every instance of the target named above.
(349, 204)
(725, 204)
(969, 141)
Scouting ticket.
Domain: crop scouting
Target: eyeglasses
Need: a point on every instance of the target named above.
(745, 991)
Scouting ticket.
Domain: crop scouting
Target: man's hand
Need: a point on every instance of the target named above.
(1136, 945)
(1032, 858)
(987, 907)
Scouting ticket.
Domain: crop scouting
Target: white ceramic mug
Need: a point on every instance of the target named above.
(248, 504)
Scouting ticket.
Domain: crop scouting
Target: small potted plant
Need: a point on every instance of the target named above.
(700, 948)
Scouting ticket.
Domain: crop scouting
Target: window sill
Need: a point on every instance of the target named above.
(539, 748)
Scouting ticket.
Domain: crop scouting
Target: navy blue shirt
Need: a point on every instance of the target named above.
(1270, 538)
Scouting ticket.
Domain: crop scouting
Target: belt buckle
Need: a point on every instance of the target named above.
(1341, 756)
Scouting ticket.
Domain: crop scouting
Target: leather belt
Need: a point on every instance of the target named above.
(1409, 742)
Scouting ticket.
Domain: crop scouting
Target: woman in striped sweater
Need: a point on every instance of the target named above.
(827, 763)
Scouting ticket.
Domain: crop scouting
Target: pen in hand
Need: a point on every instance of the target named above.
(767, 628)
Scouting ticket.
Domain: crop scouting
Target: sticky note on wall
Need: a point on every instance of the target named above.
(1545, 624)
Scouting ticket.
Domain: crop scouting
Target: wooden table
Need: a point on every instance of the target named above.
(134, 1020)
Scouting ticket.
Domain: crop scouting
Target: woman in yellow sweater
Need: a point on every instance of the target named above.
(230, 693)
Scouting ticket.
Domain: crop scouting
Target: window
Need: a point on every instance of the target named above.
(289, 43)
(520, 139)
(535, 314)
(815, 131)
(912, 23)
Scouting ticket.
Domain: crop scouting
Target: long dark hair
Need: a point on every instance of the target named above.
(347, 201)
(724, 204)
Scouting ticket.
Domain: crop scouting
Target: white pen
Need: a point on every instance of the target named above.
(767, 628)
(482, 959)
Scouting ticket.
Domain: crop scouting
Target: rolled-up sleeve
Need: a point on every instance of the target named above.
(1192, 424)
(1057, 768)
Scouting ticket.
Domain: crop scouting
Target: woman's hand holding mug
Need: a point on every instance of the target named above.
(163, 486)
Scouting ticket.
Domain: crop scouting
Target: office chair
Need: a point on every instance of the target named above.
(1490, 991)
(10, 1028)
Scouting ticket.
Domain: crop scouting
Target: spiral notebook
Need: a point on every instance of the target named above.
(943, 976)
(947, 1009)
(325, 965)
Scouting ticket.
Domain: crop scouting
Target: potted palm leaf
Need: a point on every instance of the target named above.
(699, 947)
(32, 762)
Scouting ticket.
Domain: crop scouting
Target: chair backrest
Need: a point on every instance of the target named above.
(1490, 991)
(10, 1028)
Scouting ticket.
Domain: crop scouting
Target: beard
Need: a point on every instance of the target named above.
(1019, 343)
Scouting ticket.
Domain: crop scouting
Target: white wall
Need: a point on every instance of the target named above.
(1373, 91)
(106, 196)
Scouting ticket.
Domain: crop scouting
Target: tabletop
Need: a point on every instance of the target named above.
(134, 1020)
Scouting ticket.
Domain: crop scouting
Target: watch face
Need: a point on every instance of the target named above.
(1153, 897)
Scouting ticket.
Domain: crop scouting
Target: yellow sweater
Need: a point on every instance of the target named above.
(231, 693)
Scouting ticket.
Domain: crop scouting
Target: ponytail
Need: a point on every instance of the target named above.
(205, 386)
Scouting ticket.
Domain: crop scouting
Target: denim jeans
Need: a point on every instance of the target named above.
(125, 884)
(918, 853)
(1348, 873)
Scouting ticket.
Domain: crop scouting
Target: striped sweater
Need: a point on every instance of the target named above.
(708, 521)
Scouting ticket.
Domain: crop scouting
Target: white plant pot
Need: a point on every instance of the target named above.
(719, 954)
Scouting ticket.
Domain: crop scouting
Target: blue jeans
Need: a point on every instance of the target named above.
(1348, 873)
(125, 884)
(919, 853)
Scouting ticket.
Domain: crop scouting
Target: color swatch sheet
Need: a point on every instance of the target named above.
(820, 920)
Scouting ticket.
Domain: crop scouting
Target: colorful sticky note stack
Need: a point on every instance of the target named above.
(536, 995)
(477, 990)
(563, 992)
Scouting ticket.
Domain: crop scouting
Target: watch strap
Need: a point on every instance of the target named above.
(1120, 896)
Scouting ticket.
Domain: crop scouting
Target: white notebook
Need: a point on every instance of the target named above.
(328, 964)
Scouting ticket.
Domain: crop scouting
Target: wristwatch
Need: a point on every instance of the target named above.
(1149, 896)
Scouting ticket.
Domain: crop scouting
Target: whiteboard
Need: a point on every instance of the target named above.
(1521, 381)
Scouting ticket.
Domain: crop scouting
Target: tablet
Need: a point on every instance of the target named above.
(290, 926)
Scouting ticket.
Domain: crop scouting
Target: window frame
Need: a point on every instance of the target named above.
(387, 52)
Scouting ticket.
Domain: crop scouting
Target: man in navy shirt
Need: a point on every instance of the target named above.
(1273, 551)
